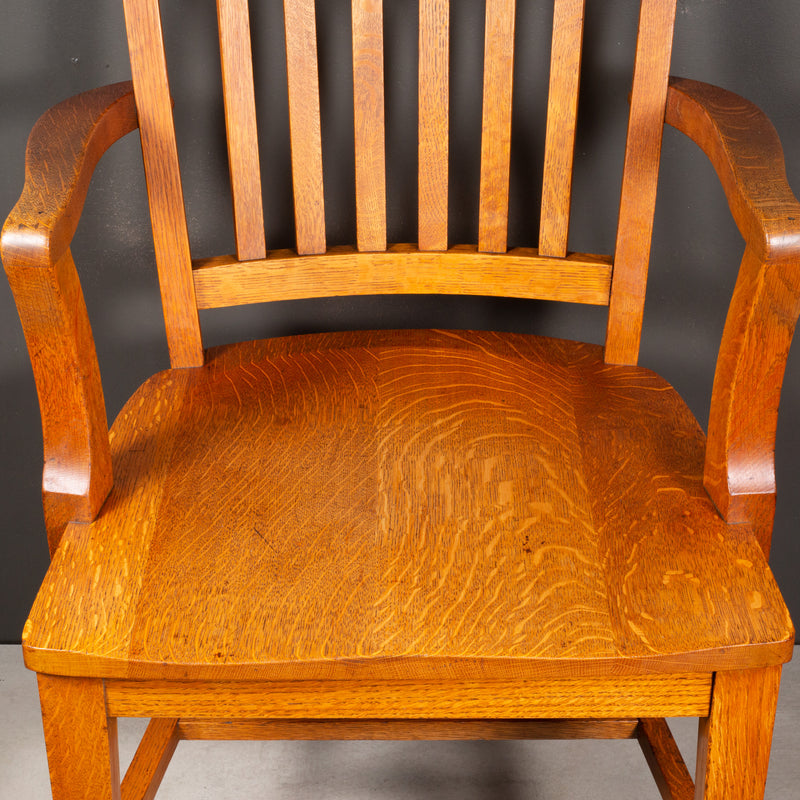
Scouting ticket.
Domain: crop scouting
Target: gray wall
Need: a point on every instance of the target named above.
(51, 49)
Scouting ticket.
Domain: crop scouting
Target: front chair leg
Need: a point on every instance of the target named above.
(734, 742)
(81, 739)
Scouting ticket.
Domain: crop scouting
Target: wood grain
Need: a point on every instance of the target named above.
(304, 124)
(498, 80)
(746, 153)
(370, 136)
(734, 742)
(81, 739)
(434, 122)
(240, 125)
(406, 534)
(615, 468)
(151, 760)
(673, 695)
(665, 760)
(562, 115)
(63, 149)
(415, 505)
(164, 188)
(77, 474)
(639, 181)
(582, 278)
(405, 730)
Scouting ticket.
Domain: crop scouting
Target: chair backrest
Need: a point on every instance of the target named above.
(432, 265)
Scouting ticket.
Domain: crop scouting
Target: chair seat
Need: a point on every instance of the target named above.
(411, 504)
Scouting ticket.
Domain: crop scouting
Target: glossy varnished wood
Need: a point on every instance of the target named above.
(639, 180)
(665, 760)
(151, 760)
(63, 149)
(747, 155)
(164, 186)
(370, 135)
(651, 695)
(498, 79)
(409, 534)
(240, 124)
(405, 729)
(453, 496)
(734, 742)
(434, 123)
(562, 113)
(224, 281)
(304, 122)
(81, 739)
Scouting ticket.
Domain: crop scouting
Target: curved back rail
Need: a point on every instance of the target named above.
(431, 265)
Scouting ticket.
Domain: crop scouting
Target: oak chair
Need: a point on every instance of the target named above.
(408, 534)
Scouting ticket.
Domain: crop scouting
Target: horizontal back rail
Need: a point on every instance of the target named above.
(403, 269)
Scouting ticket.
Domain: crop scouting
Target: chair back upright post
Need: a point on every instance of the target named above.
(639, 180)
(164, 187)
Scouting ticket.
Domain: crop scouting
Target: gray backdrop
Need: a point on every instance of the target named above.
(50, 49)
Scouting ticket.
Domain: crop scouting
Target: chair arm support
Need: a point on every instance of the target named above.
(63, 149)
(746, 153)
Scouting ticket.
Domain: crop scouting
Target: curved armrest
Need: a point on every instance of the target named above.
(63, 149)
(746, 153)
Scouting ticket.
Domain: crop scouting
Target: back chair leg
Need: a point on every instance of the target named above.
(734, 742)
(81, 739)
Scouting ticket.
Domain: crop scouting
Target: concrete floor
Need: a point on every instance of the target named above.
(381, 770)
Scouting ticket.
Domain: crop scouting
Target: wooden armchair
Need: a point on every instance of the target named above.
(410, 534)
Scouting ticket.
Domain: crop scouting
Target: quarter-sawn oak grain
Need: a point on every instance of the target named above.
(422, 534)
(395, 504)
(403, 268)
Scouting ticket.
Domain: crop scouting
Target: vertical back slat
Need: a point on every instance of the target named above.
(562, 112)
(498, 80)
(434, 94)
(640, 178)
(167, 211)
(304, 125)
(370, 138)
(240, 123)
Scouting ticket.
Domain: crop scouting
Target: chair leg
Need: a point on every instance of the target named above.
(81, 739)
(734, 742)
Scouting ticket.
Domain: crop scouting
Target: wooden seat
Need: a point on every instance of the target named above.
(406, 505)
(406, 534)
